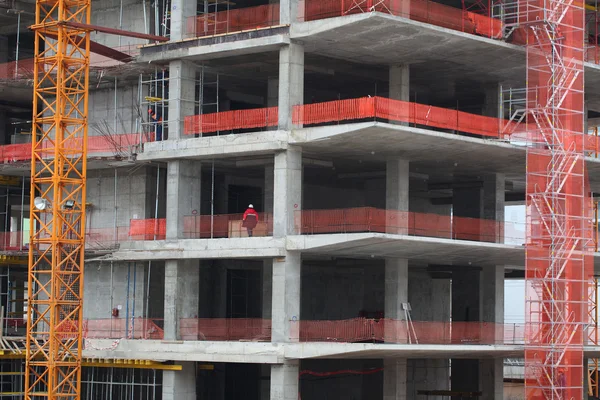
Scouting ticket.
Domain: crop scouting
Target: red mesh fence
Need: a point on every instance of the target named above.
(105, 238)
(119, 328)
(230, 121)
(148, 229)
(225, 226)
(368, 219)
(402, 332)
(234, 20)
(17, 70)
(225, 329)
(418, 10)
(11, 241)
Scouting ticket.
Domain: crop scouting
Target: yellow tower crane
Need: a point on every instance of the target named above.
(58, 190)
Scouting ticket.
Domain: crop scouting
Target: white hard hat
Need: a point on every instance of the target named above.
(250, 206)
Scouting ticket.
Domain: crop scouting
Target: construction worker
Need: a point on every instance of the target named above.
(156, 119)
(250, 219)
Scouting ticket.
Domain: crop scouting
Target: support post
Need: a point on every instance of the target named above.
(291, 82)
(284, 381)
(181, 11)
(394, 379)
(182, 96)
(287, 190)
(183, 195)
(285, 314)
(180, 385)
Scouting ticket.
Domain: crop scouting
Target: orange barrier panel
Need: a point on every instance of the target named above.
(418, 10)
(148, 229)
(368, 219)
(119, 328)
(396, 331)
(224, 225)
(234, 20)
(105, 238)
(230, 120)
(225, 329)
(13, 70)
(11, 241)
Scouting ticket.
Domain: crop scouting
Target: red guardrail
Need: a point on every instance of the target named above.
(402, 332)
(148, 229)
(224, 226)
(368, 219)
(119, 328)
(418, 10)
(230, 121)
(225, 329)
(233, 20)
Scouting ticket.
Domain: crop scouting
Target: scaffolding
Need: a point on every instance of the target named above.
(11, 379)
(101, 383)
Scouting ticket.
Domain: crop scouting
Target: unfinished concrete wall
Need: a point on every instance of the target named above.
(104, 290)
(107, 13)
(132, 200)
(116, 114)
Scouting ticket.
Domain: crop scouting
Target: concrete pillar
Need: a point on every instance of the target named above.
(396, 181)
(494, 187)
(284, 381)
(396, 287)
(182, 282)
(287, 189)
(399, 82)
(394, 379)
(491, 102)
(492, 294)
(183, 194)
(268, 188)
(491, 378)
(182, 94)
(291, 81)
(180, 385)
(267, 289)
(181, 10)
(289, 11)
(285, 309)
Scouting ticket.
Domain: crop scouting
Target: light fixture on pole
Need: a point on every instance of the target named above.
(69, 204)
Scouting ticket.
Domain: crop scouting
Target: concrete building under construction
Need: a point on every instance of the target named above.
(378, 141)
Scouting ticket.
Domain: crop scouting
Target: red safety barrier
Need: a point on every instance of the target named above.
(368, 219)
(418, 10)
(224, 226)
(400, 111)
(105, 238)
(123, 328)
(230, 121)
(148, 229)
(225, 329)
(234, 20)
(11, 241)
(402, 332)
(23, 69)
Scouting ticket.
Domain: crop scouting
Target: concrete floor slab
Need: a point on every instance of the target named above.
(224, 146)
(256, 247)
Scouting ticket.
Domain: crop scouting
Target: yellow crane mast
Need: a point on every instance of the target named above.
(57, 209)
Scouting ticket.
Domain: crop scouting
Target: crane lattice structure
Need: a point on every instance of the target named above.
(58, 178)
(559, 206)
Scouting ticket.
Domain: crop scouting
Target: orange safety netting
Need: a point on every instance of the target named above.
(403, 332)
(148, 229)
(234, 20)
(224, 225)
(369, 219)
(119, 328)
(230, 120)
(101, 238)
(225, 329)
(419, 10)
(23, 69)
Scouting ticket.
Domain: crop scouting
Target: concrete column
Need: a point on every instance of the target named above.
(286, 298)
(289, 11)
(493, 203)
(182, 282)
(397, 194)
(491, 291)
(291, 81)
(287, 189)
(396, 287)
(183, 194)
(267, 289)
(394, 379)
(181, 10)
(491, 102)
(182, 94)
(180, 385)
(491, 378)
(284, 381)
(396, 181)
(268, 188)
(399, 82)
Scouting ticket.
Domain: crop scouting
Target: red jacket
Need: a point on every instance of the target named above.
(250, 211)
